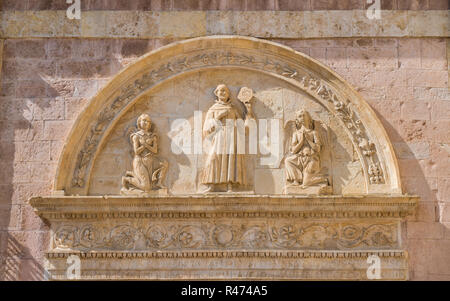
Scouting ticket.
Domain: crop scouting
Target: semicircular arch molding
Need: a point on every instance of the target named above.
(369, 138)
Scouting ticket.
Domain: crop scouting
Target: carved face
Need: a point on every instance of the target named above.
(222, 92)
(303, 118)
(144, 122)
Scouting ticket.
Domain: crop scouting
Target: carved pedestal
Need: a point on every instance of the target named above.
(226, 236)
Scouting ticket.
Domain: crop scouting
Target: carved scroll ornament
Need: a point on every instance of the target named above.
(185, 236)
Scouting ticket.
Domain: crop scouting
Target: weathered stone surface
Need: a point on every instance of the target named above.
(259, 23)
(225, 5)
(418, 150)
(273, 99)
(428, 23)
(183, 25)
(46, 82)
(275, 223)
(425, 230)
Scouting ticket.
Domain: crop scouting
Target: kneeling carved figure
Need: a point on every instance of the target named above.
(303, 166)
(149, 171)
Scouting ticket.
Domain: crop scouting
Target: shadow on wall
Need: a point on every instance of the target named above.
(19, 263)
(19, 140)
(24, 93)
(392, 73)
(41, 80)
(422, 233)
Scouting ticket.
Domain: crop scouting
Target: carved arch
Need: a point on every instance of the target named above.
(366, 132)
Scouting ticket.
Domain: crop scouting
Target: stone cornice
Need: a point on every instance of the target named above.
(224, 206)
(187, 24)
(228, 254)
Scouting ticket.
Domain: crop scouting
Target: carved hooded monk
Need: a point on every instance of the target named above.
(223, 164)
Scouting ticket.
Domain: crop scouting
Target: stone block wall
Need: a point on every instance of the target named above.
(52, 66)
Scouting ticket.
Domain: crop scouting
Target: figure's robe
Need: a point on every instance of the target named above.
(223, 164)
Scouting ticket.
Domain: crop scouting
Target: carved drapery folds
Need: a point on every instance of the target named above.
(303, 163)
(225, 165)
(355, 126)
(149, 171)
(341, 104)
(311, 230)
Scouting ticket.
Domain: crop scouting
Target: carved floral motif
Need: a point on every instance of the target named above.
(179, 236)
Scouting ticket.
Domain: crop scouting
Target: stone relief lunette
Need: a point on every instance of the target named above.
(342, 108)
(225, 162)
(149, 171)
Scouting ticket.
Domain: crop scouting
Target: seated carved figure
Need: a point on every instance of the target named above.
(303, 163)
(145, 177)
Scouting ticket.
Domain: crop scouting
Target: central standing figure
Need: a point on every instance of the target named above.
(223, 164)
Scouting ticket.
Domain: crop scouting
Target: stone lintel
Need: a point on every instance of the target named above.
(222, 205)
(220, 236)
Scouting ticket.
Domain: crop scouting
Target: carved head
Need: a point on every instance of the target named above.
(302, 117)
(144, 122)
(222, 92)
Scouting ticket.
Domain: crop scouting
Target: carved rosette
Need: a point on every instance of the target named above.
(181, 235)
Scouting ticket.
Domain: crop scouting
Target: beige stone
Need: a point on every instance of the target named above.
(271, 99)
(428, 23)
(93, 24)
(66, 27)
(45, 23)
(250, 217)
(131, 24)
(409, 99)
(182, 24)
(338, 23)
(221, 22)
(393, 23)
(12, 24)
(269, 181)
(260, 23)
(149, 170)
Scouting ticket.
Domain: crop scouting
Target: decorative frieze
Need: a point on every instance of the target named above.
(240, 235)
